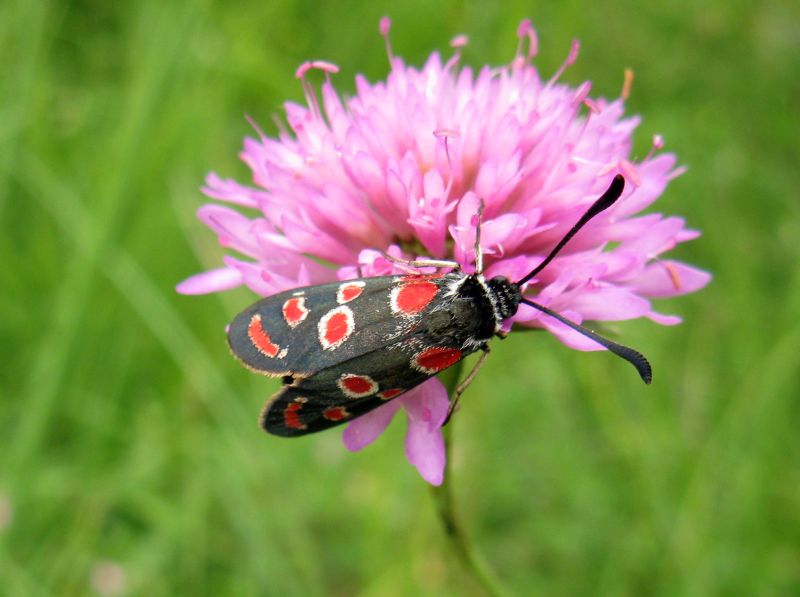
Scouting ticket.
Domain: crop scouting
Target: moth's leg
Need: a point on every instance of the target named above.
(478, 252)
(415, 263)
(465, 384)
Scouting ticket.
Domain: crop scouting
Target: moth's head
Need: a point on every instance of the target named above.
(507, 295)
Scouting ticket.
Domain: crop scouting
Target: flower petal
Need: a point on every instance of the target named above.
(365, 429)
(609, 303)
(225, 189)
(233, 229)
(670, 278)
(663, 319)
(426, 407)
(215, 280)
(567, 335)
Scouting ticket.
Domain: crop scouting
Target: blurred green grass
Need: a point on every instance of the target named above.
(131, 435)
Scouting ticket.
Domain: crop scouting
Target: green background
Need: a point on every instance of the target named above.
(130, 436)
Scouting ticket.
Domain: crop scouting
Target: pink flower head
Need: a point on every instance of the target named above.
(401, 167)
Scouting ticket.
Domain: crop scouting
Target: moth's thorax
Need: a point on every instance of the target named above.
(479, 306)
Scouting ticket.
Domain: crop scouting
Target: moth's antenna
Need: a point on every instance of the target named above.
(634, 357)
(604, 202)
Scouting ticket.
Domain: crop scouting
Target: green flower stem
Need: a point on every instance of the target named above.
(466, 551)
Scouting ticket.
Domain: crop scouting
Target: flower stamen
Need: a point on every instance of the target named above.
(445, 134)
(658, 143)
(582, 93)
(458, 42)
(308, 89)
(525, 29)
(384, 27)
(626, 84)
(571, 58)
(674, 277)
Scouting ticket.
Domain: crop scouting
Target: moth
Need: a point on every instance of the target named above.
(345, 348)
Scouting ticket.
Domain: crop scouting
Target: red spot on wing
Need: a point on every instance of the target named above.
(335, 327)
(357, 386)
(390, 393)
(291, 415)
(411, 297)
(260, 338)
(435, 359)
(336, 413)
(348, 291)
(294, 310)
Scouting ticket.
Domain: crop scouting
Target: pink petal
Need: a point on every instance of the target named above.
(513, 268)
(567, 335)
(655, 174)
(233, 229)
(505, 232)
(463, 233)
(230, 190)
(309, 238)
(258, 279)
(215, 280)
(609, 303)
(657, 239)
(427, 408)
(670, 278)
(365, 429)
(663, 319)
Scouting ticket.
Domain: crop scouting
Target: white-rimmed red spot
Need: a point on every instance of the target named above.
(260, 338)
(335, 327)
(390, 393)
(356, 386)
(336, 413)
(291, 414)
(435, 359)
(294, 310)
(412, 296)
(348, 291)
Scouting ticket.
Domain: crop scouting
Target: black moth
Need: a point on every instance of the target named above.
(345, 348)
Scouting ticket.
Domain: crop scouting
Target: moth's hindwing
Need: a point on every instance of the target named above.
(354, 387)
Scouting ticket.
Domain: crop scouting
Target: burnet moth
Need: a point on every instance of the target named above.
(345, 348)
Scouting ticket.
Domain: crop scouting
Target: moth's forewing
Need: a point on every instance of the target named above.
(280, 335)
